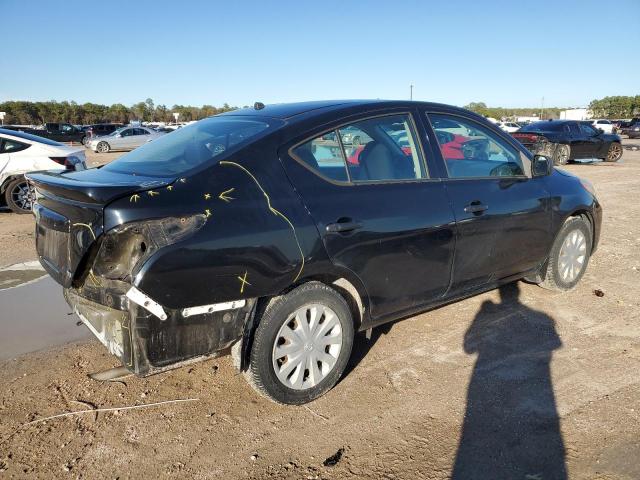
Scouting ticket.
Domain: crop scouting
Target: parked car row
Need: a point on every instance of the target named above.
(124, 138)
(567, 140)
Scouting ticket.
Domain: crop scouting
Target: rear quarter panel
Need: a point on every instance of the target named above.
(258, 238)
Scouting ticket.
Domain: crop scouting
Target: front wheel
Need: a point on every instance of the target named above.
(615, 152)
(103, 147)
(569, 255)
(19, 196)
(561, 156)
(301, 345)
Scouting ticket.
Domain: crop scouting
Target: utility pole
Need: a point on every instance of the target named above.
(542, 108)
(411, 92)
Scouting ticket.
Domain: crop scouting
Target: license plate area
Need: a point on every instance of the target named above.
(52, 243)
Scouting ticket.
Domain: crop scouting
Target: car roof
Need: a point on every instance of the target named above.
(29, 137)
(286, 111)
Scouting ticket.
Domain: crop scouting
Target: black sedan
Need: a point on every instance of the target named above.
(260, 230)
(566, 140)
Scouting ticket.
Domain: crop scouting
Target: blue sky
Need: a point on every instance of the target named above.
(504, 53)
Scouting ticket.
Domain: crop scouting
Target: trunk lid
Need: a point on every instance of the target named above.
(69, 213)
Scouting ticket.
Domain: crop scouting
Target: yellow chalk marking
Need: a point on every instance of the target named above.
(134, 198)
(224, 195)
(169, 187)
(86, 226)
(207, 196)
(152, 193)
(272, 210)
(207, 212)
(243, 281)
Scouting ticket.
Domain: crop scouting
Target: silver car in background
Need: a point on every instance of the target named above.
(125, 138)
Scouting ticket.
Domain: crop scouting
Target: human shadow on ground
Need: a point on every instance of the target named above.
(511, 426)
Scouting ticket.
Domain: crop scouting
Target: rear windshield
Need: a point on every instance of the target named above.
(188, 147)
(542, 127)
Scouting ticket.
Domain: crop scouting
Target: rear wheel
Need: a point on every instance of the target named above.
(615, 152)
(301, 345)
(103, 147)
(561, 156)
(19, 196)
(569, 255)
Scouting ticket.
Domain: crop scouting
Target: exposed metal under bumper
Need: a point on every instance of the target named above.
(147, 344)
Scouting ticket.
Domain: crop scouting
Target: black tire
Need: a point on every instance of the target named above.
(553, 276)
(562, 154)
(15, 193)
(615, 152)
(103, 147)
(261, 373)
(83, 140)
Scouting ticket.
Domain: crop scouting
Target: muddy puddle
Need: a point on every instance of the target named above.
(33, 313)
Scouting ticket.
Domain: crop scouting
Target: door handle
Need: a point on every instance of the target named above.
(476, 208)
(342, 226)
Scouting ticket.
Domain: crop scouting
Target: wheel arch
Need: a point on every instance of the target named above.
(355, 297)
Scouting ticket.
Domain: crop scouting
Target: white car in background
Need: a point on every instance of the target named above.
(509, 127)
(21, 153)
(605, 125)
(125, 138)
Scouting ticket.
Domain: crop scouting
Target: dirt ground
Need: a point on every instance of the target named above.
(520, 383)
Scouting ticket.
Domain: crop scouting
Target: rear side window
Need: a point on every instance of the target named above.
(190, 146)
(10, 146)
(471, 150)
(376, 149)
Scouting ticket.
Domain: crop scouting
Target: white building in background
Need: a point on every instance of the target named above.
(575, 114)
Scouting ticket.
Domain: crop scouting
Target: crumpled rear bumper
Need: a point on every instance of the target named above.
(144, 343)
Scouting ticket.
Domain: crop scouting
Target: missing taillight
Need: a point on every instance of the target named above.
(64, 161)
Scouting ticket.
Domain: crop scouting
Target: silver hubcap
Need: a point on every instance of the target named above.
(102, 147)
(572, 256)
(307, 346)
(22, 196)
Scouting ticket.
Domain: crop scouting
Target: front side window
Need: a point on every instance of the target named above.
(471, 150)
(587, 129)
(376, 149)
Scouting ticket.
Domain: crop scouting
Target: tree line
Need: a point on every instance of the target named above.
(500, 112)
(608, 107)
(616, 107)
(34, 113)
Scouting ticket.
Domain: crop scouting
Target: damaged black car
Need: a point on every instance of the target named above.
(261, 232)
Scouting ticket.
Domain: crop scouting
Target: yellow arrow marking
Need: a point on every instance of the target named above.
(207, 196)
(224, 195)
(152, 193)
(207, 212)
(134, 198)
(169, 187)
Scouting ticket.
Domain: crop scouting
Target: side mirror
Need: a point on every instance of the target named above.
(118, 135)
(541, 166)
